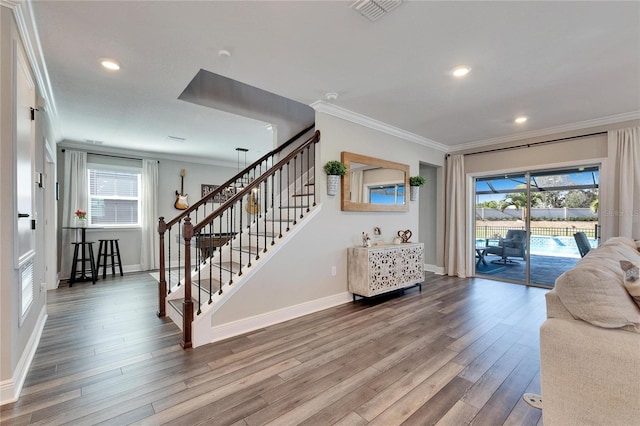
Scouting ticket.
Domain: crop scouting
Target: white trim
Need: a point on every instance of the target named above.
(603, 121)
(28, 31)
(11, 4)
(438, 270)
(10, 389)
(354, 117)
(246, 325)
(100, 149)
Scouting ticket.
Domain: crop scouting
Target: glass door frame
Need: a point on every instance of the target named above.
(473, 178)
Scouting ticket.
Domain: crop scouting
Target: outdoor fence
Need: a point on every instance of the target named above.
(494, 232)
(564, 213)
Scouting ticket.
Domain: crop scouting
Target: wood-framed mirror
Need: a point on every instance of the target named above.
(374, 185)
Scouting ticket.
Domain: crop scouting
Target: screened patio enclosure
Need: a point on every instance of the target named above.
(525, 222)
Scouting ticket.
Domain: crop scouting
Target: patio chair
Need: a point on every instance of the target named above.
(583, 243)
(513, 245)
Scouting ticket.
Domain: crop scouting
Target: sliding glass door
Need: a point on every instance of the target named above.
(501, 204)
(526, 223)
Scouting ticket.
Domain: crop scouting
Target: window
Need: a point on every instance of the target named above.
(114, 196)
(387, 194)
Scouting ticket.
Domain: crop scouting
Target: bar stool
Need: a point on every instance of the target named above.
(106, 249)
(80, 256)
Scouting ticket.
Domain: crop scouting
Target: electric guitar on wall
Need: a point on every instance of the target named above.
(181, 198)
(253, 206)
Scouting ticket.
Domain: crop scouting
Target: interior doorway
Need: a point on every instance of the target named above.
(526, 223)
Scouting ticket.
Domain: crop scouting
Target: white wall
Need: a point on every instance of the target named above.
(301, 270)
(17, 342)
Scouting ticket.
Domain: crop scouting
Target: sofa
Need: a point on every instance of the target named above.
(590, 342)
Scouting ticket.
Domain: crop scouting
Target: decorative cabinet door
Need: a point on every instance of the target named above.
(410, 264)
(383, 266)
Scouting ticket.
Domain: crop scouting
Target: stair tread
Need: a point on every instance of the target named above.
(294, 206)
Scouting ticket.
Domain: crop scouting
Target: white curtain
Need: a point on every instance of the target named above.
(75, 197)
(357, 190)
(149, 253)
(621, 214)
(455, 252)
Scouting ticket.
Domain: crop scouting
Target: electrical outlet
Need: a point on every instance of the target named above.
(334, 272)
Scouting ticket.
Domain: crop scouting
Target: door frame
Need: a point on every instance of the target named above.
(601, 163)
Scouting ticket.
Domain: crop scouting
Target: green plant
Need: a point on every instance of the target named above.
(335, 168)
(416, 181)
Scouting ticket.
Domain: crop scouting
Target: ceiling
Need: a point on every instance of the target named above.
(558, 63)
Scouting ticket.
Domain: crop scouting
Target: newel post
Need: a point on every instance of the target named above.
(187, 305)
(162, 285)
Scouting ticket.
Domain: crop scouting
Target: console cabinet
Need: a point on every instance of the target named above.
(380, 269)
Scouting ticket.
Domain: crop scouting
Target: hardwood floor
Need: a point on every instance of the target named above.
(463, 351)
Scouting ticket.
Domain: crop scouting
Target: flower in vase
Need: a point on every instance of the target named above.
(80, 214)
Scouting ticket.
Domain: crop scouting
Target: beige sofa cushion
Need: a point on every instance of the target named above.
(594, 291)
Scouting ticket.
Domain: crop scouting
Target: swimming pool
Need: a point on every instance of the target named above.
(552, 246)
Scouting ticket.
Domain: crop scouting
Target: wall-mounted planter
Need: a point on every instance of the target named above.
(333, 182)
(413, 195)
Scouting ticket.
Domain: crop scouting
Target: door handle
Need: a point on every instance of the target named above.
(23, 215)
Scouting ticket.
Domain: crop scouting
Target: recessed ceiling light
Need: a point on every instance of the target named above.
(110, 64)
(520, 120)
(460, 71)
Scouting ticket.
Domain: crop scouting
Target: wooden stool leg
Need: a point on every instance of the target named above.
(94, 273)
(72, 278)
(104, 263)
(119, 260)
(100, 257)
(113, 266)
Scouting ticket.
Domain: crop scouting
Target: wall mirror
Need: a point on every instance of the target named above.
(374, 185)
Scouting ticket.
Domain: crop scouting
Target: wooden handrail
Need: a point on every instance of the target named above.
(253, 184)
(231, 181)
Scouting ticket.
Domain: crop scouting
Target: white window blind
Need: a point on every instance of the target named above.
(113, 197)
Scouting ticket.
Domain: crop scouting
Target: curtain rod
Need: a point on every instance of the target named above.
(529, 145)
(113, 156)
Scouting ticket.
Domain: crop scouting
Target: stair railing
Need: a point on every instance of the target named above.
(201, 209)
(247, 225)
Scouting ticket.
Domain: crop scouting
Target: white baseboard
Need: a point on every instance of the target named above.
(438, 270)
(245, 325)
(131, 268)
(10, 389)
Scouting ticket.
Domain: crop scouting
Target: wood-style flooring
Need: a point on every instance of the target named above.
(462, 351)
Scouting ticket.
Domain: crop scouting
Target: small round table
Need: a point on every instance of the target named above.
(481, 251)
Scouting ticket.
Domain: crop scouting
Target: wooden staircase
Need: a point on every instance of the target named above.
(253, 223)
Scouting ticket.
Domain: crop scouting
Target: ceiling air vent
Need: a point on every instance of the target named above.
(375, 9)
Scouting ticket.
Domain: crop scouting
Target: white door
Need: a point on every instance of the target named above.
(24, 177)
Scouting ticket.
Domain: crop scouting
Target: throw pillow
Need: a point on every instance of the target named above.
(631, 279)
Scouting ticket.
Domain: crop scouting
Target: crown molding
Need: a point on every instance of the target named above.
(603, 121)
(354, 117)
(11, 4)
(101, 149)
(28, 31)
